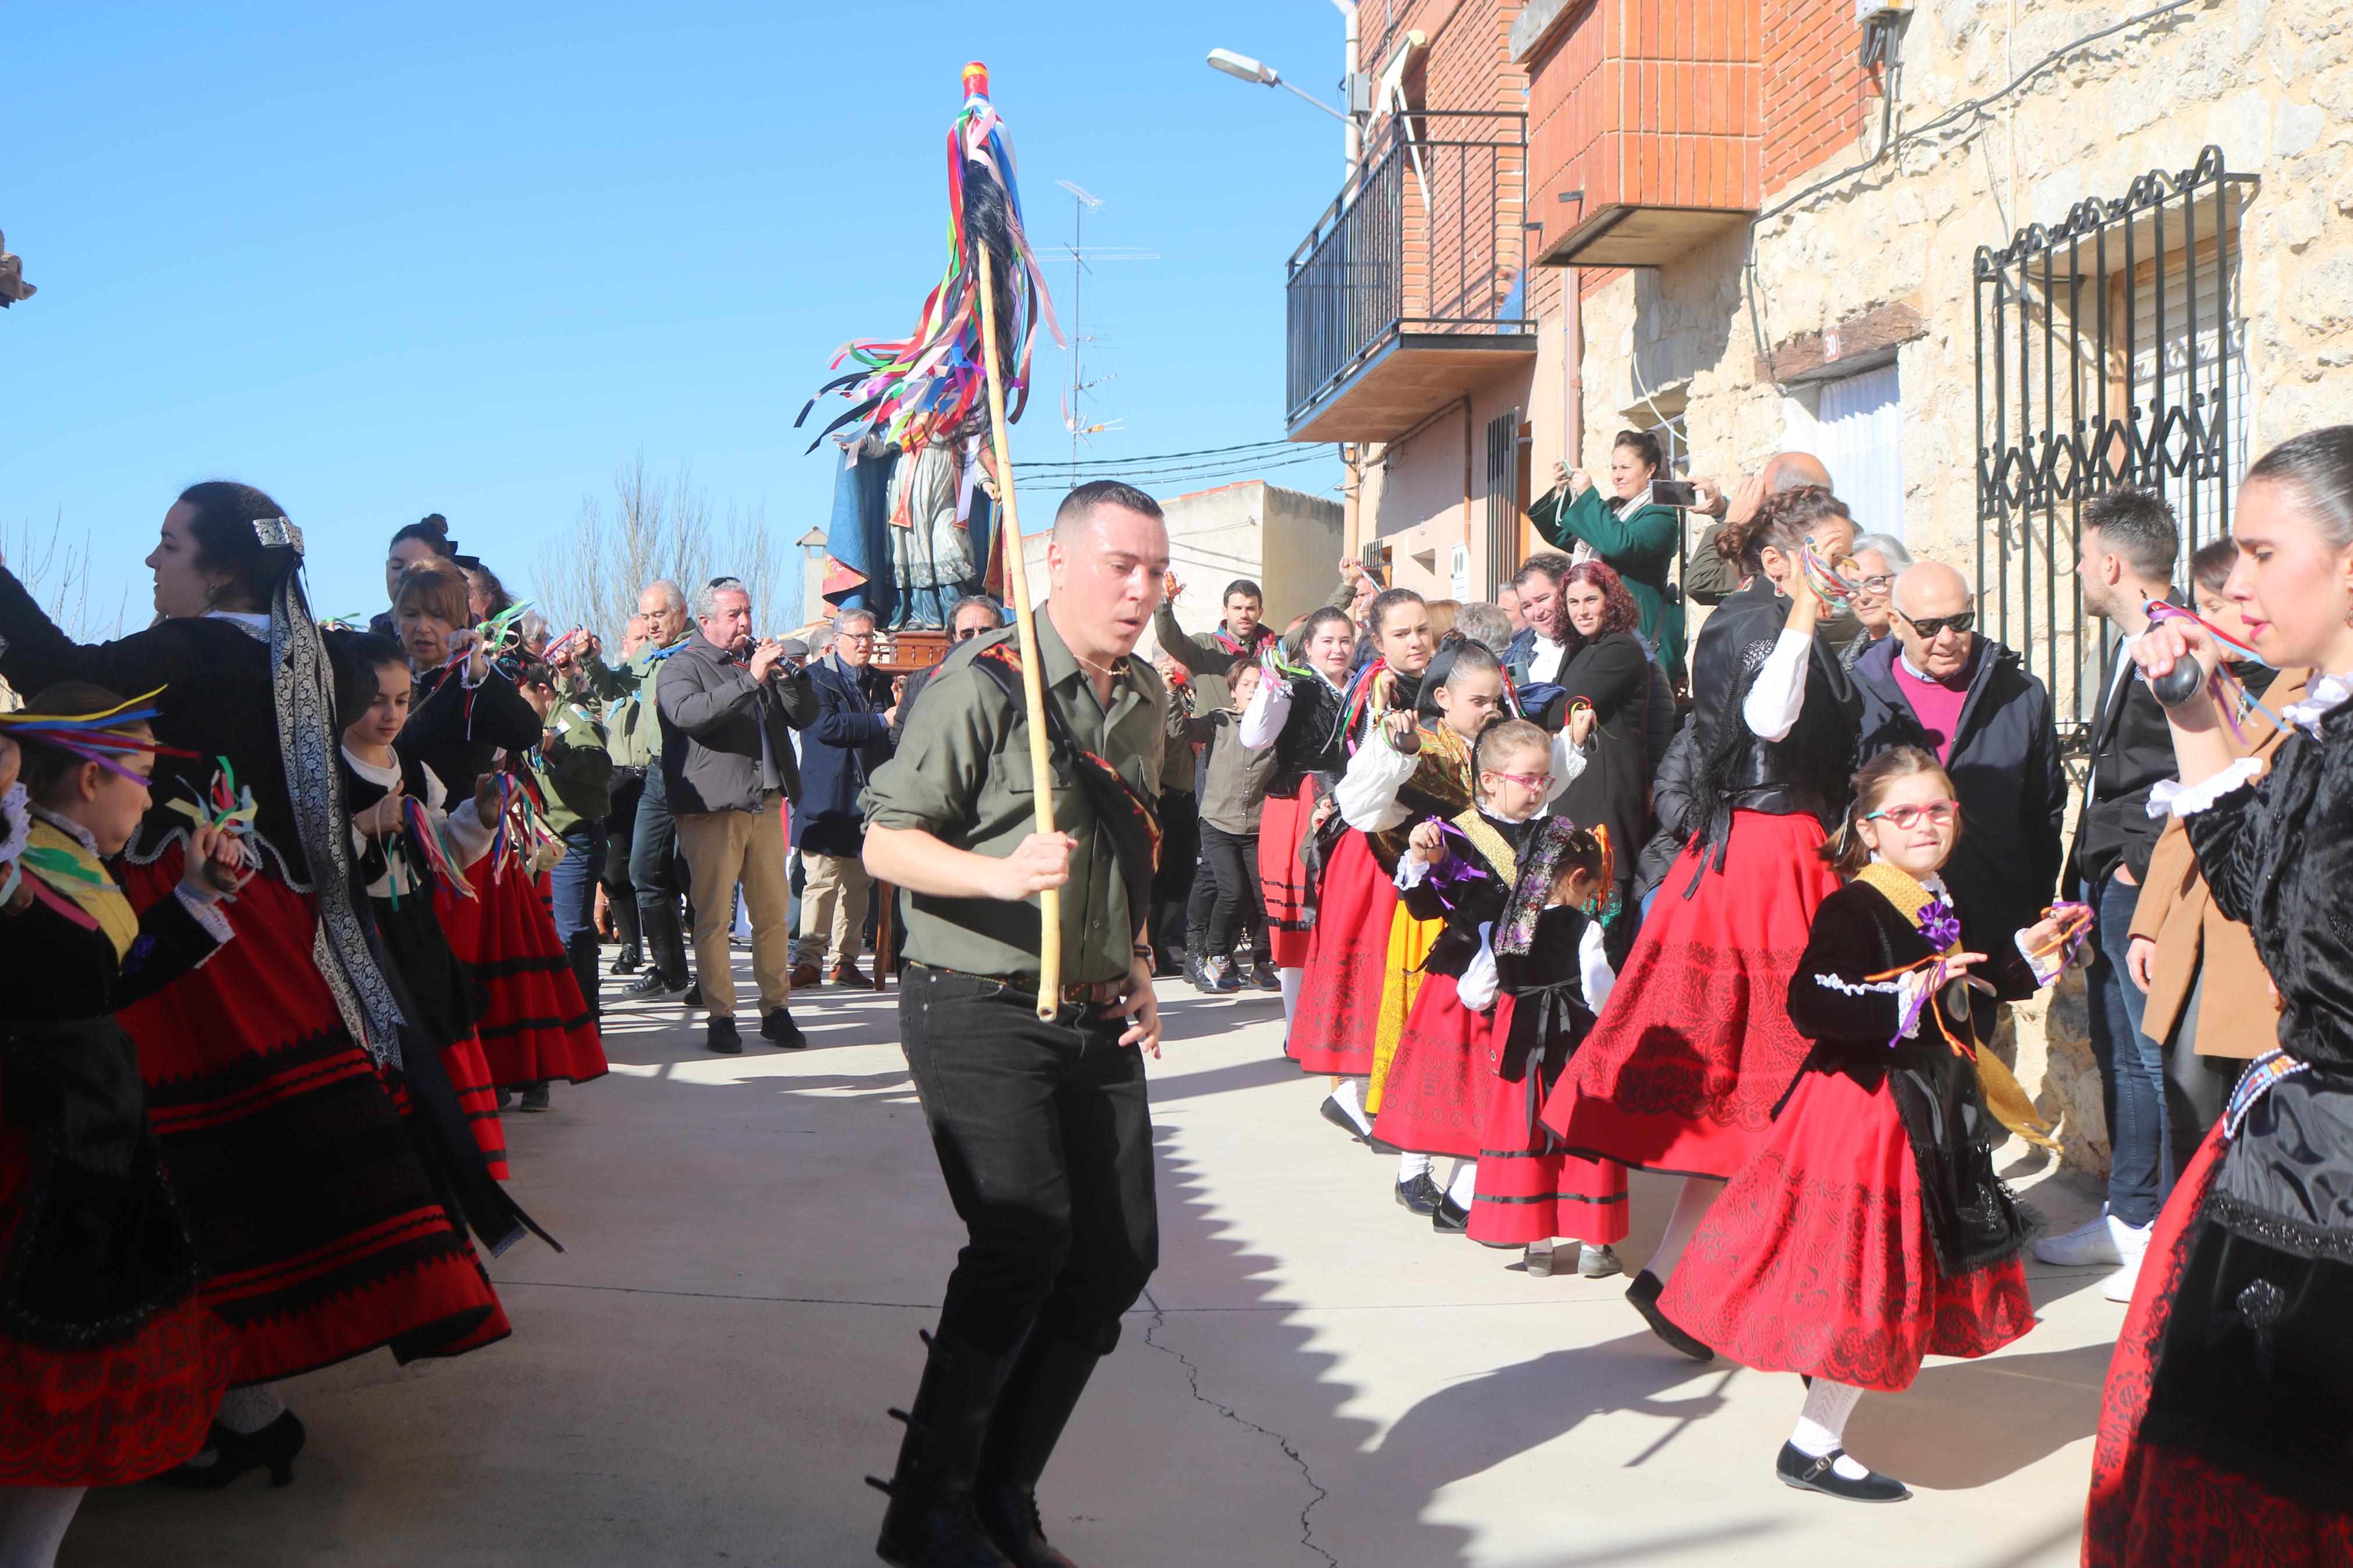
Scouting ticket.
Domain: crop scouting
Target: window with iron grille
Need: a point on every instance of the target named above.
(2110, 351)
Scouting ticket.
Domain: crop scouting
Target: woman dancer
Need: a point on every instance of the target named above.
(1696, 1048)
(1340, 987)
(409, 846)
(110, 1367)
(1871, 1230)
(2227, 1428)
(1297, 712)
(294, 1124)
(1553, 972)
(466, 717)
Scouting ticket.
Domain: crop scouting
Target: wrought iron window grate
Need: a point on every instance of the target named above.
(2110, 352)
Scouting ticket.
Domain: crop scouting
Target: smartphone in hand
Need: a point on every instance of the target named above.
(1674, 492)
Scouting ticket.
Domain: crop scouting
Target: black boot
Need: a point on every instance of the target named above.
(665, 942)
(624, 922)
(929, 1522)
(1041, 1389)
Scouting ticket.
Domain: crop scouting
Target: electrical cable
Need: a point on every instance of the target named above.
(1156, 457)
(1958, 111)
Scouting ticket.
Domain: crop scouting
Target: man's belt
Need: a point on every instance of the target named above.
(1100, 992)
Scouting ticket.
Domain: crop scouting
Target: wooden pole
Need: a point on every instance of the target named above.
(1033, 690)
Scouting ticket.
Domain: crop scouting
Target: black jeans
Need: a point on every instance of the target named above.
(620, 834)
(1231, 860)
(1045, 1139)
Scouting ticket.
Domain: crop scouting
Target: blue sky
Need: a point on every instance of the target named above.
(383, 261)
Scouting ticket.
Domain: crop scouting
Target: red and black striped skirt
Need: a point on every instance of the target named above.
(1339, 1011)
(528, 1015)
(1284, 889)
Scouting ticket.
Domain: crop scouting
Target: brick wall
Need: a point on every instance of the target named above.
(1817, 97)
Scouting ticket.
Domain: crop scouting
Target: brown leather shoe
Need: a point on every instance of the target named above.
(803, 977)
(848, 974)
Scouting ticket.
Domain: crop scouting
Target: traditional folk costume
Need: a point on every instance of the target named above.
(404, 872)
(110, 1366)
(1685, 1066)
(1555, 978)
(2226, 1434)
(530, 1015)
(1298, 712)
(1870, 1229)
(295, 1123)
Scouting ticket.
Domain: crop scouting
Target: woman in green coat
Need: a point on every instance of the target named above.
(1636, 536)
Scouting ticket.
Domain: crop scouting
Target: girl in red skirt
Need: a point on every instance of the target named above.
(323, 1170)
(411, 851)
(110, 1366)
(466, 718)
(1297, 710)
(1869, 1229)
(1462, 870)
(1685, 1068)
(1338, 1014)
(1555, 976)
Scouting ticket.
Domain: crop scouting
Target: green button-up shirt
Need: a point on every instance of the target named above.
(628, 694)
(961, 775)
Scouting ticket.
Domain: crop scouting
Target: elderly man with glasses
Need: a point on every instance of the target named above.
(851, 739)
(1936, 683)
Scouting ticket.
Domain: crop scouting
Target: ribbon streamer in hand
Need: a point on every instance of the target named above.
(2230, 691)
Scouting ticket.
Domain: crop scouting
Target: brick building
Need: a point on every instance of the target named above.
(1983, 257)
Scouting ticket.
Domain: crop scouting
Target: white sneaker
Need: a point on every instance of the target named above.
(2093, 1241)
(2121, 1284)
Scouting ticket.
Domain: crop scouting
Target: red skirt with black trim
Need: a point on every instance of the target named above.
(1817, 1258)
(1284, 889)
(1695, 1048)
(116, 1413)
(1530, 1189)
(285, 1150)
(1439, 1087)
(1339, 1012)
(478, 1097)
(2155, 1504)
(528, 1015)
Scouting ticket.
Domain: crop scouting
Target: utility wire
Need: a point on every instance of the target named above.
(1159, 456)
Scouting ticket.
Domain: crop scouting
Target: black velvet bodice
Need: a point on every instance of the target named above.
(460, 746)
(1805, 771)
(1311, 741)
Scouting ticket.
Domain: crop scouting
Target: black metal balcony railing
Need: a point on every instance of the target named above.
(1426, 239)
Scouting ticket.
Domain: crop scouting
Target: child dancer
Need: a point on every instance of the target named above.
(1460, 871)
(408, 847)
(110, 1367)
(1870, 1229)
(1555, 976)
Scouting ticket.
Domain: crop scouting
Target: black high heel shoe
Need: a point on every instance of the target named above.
(234, 1453)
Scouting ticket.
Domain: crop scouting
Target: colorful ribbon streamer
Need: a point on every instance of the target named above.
(2230, 693)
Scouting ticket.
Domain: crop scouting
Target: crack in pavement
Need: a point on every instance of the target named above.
(1290, 1449)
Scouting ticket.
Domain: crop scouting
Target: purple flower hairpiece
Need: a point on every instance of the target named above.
(1940, 928)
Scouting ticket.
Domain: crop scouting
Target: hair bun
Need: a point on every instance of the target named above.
(435, 522)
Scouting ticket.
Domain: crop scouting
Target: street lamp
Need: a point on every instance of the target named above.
(1245, 69)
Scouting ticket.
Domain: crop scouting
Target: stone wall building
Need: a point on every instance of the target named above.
(1985, 258)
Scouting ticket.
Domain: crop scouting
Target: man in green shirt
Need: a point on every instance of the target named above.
(1043, 1129)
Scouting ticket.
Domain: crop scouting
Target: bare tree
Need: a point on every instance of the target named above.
(57, 571)
(651, 530)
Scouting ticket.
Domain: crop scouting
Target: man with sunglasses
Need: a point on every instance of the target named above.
(968, 617)
(1936, 683)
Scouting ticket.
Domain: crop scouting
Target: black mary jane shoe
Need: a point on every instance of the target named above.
(1450, 1218)
(1420, 1196)
(1337, 1115)
(1808, 1474)
(234, 1453)
(1644, 1293)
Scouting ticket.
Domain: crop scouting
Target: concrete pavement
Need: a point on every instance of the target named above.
(1315, 1379)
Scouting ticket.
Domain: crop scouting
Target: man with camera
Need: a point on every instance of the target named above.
(728, 703)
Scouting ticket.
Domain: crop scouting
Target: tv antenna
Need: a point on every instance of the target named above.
(1082, 202)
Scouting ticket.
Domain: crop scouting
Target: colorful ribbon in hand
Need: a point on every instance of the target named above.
(1822, 577)
(2229, 691)
(2074, 928)
(226, 807)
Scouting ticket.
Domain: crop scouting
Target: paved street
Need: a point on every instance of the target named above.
(1315, 1379)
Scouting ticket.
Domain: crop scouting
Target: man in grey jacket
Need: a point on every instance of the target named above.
(727, 705)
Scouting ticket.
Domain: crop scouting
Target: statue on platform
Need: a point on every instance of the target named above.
(909, 532)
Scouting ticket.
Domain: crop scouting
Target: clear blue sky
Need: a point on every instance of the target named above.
(383, 261)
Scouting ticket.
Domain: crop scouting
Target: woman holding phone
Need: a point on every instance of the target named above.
(1635, 529)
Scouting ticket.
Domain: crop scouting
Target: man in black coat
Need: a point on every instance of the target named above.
(1943, 686)
(851, 739)
(2125, 551)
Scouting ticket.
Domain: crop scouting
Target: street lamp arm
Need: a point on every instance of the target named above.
(1314, 100)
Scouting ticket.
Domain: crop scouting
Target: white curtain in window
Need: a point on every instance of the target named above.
(1862, 428)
